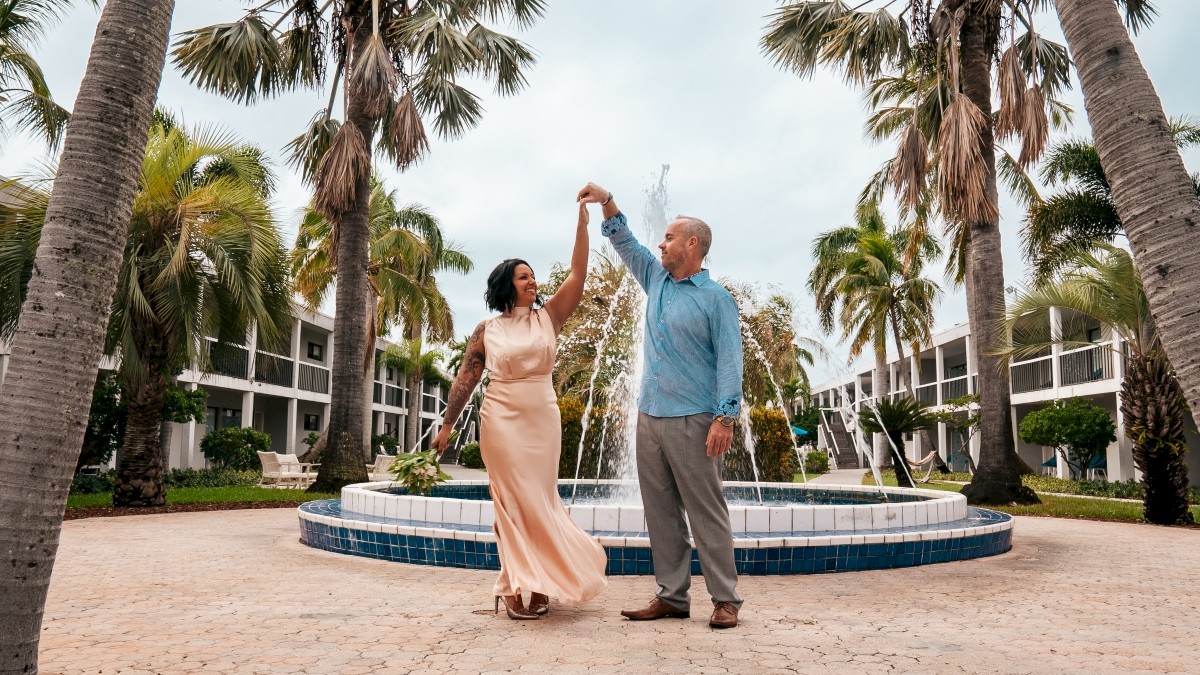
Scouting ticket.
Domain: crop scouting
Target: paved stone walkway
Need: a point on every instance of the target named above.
(235, 592)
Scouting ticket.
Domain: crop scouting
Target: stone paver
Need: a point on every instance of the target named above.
(235, 592)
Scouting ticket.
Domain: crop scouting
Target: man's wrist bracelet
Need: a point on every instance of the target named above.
(606, 201)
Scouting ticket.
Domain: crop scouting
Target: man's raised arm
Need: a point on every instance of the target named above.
(641, 262)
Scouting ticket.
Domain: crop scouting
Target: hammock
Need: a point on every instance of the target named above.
(934, 461)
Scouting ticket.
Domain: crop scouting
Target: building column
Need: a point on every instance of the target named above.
(1055, 350)
(971, 370)
(252, 351)
(248, 409)
(939, 360)
(290, 443)
(294, 354)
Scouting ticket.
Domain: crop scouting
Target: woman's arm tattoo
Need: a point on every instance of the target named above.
(468, 378)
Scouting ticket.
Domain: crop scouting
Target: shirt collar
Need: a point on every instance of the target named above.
(699, 278)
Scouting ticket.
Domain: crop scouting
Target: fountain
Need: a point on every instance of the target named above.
(779, 528)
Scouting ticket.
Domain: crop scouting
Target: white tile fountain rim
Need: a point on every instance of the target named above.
(941, 507)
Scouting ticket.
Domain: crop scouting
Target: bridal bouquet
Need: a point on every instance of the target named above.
(418, 471)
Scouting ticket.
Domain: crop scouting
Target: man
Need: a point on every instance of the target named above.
(690, 398)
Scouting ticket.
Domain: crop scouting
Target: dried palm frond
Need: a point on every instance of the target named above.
(963, 171)
(406, 132)
(1035, 128)
(908, 168)
(341, 168)
(374, 76)
(1012, 89)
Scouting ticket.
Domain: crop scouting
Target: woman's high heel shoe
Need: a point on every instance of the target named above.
(538, 603)
(513, 607)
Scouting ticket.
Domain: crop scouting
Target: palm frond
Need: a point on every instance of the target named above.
(34, 113)
(1011, 86)
(1138, 13)
(345, 163)
(501, 57)
(454, 108)
(1035, 128)
(1045, 61)
(242, 60)
(910, 165)
(963, 171)
(405, 140)
(306, 151)
(374, 77)
(1019, 183)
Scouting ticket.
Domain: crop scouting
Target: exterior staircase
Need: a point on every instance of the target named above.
(841, 443)
(466, 425)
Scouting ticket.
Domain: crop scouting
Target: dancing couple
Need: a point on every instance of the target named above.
(690, 398)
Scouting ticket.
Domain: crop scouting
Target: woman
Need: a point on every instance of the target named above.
(541, 549)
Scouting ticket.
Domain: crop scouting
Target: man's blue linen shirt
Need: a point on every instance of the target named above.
(693, 342)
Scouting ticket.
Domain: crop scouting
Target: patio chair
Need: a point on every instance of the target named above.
(1098, 467)
(285, 470)
(379, 470)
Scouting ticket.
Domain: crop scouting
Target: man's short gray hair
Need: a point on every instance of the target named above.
(694, 227)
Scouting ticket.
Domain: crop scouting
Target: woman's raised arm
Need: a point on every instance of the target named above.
(564, 302)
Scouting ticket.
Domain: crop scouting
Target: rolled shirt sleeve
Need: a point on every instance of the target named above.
(727, 339)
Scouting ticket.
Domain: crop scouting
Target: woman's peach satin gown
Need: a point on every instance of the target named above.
(541, 549)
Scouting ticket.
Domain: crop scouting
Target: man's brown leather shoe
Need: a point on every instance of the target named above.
(657, 609)
(724, 616)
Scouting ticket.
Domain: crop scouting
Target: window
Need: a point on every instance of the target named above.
(316, 351)
(231, 418)
(312, 422)
(391, 374)
(1095, 335)
(210, 419)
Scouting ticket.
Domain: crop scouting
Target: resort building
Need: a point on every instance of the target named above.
(946, 370)
(285, 395)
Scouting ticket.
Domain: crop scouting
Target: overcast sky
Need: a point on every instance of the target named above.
(621, 88)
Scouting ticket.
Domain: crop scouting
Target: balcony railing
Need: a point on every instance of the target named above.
(1089, 364)
(314, 378)
(1032, 375)
(927, 394)
(272, 369)
(395, 397)
(954, 388)
(229, 360)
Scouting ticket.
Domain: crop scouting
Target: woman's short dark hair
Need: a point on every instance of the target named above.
(501, 294)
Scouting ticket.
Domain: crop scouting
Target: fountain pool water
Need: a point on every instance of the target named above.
(800, 529)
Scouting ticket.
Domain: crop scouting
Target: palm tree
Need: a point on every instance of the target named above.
(957, 42)
(56, 348)
(1082, 212)
(407, 250)
(398, 63)
(202, 258)
(861, 270)
(895, 419)
(25, 101)
(1106, 287)
(1154, 196)
(421, 366)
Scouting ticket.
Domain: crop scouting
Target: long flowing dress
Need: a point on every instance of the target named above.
(541, 549)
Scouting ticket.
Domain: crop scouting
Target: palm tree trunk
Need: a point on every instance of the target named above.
(879, 390)
(926, 440)
(1150, 186)
(57, 347)
(413, 380)
(342, 459)
(998, 478)
(1153, 407)
(140, 469)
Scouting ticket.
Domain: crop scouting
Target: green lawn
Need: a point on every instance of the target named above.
(1087, 508)
(220, 495)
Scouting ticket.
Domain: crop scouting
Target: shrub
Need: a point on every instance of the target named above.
(235, 448)
(816, 462)
(773, 451)
(91, 484)
(470, 456)
(1076, 429)
(187, 478)
(571, 411)
(388, 442)
(311, 439)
